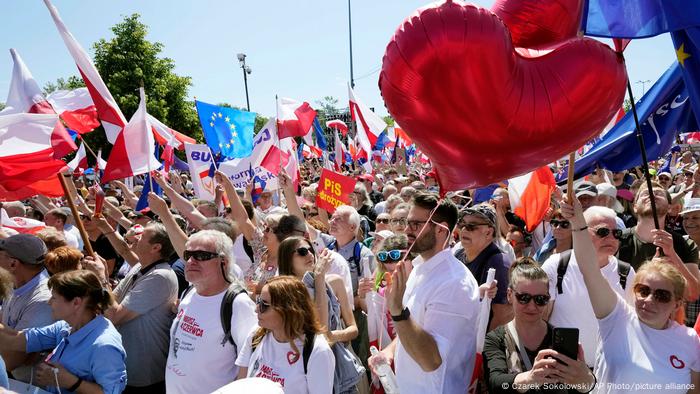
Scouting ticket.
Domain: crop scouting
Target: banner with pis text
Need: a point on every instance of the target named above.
(334, 190)
(239, 170)
(199, 160)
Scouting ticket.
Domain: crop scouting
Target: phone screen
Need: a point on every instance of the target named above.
(565, 341)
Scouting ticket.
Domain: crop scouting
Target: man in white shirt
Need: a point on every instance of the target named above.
(57, 219)
(434, 306)
(201, 357)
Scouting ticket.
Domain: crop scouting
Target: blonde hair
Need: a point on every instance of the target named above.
(665, 270)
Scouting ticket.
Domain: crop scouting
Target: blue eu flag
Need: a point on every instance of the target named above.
(687, 44)
(227, 131)
(638, 18)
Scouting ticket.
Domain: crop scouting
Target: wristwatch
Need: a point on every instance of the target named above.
(404, 315)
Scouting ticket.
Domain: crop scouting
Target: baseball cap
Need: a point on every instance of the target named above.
(607, 189)
(384, 234)
(585, 188)
(691, 205)
(27, 248)
(483, 211)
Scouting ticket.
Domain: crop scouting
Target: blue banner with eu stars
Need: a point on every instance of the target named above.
(227, 131)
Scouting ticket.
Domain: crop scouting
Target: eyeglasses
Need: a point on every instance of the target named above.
(524, 298)
(263, 306)
(382, 221)
(400, 222)
(302, 251)
(394, 255)
(560, 223)
(660, 295)
(199, 255)
(415, 224)
(470, 226)
(603, 232)
(268, 229)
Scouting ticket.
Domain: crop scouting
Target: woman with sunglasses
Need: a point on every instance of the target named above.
(569, 306)
(641, 345)
(289, 347)
(517, 355)
(297, 258)
(561, 238)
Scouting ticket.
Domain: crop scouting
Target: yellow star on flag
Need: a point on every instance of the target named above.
(220, 114)
(227, 119)
(211, 124)
(682, 55)
(234, 134)
(233, 127)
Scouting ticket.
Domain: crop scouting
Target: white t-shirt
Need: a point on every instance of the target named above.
(197, 361)
(573, 308)
(69, 228)
(634, 357)
(443, 299)
(277, 361)
(71, 240)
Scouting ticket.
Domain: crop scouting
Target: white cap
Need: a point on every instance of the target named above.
(691, 205)
(384, 234)
(607, 189)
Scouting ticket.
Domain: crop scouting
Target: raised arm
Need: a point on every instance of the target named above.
(129, 197)
(116, 240)
(288, 189)
(113, 212)
(603, 297)
(177, 237)
(238, 212)
(183, 205)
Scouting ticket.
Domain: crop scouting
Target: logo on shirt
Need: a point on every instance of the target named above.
(292, 357)
(269, 374)
(676, 362)
(190, 325)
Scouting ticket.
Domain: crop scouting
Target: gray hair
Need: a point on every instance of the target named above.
(597, 212)
(353, 216)
(223, 245)
(359, 187)
(15, 209)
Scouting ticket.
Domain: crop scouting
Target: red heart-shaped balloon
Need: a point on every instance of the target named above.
(484, 111)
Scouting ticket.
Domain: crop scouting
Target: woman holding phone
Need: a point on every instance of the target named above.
(517, 355)
(642, 347)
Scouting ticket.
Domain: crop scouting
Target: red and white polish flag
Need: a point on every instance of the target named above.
(76, 108)
(25, 94)
(109, 113)
(369, 125)
(79, 162)
(20, 224)
(530, 195)
(294, 118)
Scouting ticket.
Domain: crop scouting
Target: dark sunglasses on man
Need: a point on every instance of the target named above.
(603, 232)
(382, 221)
(199, 255)
(394, 255)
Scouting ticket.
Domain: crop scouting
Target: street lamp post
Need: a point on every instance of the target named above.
(246, 71)
(643, 83)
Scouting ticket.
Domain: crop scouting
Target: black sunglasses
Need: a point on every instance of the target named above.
(524, 298)
(604, 232)
(382, 221)
(560, 223)
(302, 251)
(470, 226)
(262, 305)
(660, 295)
(394, 255)
(199, 255)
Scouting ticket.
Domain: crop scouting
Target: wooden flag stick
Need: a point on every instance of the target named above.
(76, 215)
(570, 180)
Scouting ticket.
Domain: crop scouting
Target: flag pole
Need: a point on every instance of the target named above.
(279, 147)
(642, 148)
(76, 215)
(570, 180)
(142, 96)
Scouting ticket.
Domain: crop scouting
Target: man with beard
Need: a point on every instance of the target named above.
(640, 243)
(434, 306)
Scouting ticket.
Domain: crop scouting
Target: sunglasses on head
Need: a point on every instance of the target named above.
(560, 223)
(304, 251)
(199, 255)
(604, 232)
(524, 298)
(470, 226)
(382, 221)
(660, 295)
(263, 306)
(394, 255)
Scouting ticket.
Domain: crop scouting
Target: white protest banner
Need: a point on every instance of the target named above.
(238, 170)
(199, 160)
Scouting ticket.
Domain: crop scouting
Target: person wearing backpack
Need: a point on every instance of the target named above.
(213, 320)
(298, 258)
(289, 347)
(569, 305)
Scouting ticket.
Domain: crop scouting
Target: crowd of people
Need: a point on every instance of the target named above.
(269, 293)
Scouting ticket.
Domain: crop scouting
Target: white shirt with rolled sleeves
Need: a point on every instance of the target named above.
(443, 298)
(573, 308)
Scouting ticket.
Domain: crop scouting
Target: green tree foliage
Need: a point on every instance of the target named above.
(71, 83)
(126, 62)
(2, 106)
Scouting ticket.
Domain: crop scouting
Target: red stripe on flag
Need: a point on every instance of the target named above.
(274, 159)
(118, 165)
(82, 120)
(105, 111)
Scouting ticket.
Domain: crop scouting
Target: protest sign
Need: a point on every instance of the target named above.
(199, 160)
(334, 190)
